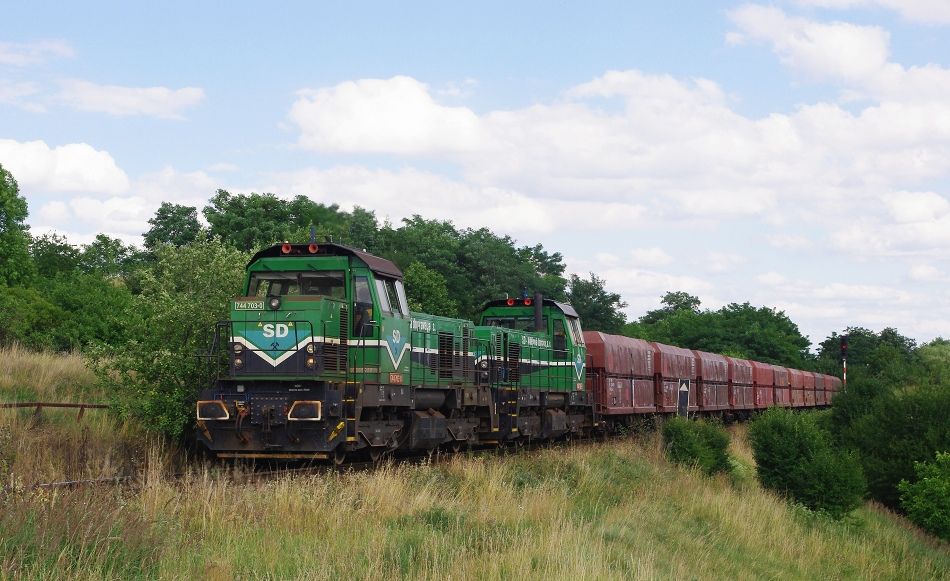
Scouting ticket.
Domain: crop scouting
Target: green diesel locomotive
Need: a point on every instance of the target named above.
(322, 359)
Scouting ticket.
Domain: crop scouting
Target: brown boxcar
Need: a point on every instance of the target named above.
(808, 379)
(712, 372)
(740, 384)
(783, 393)
(821, 396)
(763, 384)
(796, 381)
(672, 364)
(620, 373)
(835, 386)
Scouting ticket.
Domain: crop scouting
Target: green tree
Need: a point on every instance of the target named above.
(31, 320)
(109, 257)
(154, 377)
(173, 224)
(599, 309)
(699, 443)
(53, 255)
(673, 302)
(794, 457)
(927, 500)
(16, 268)
(426, 291)
(249, 222)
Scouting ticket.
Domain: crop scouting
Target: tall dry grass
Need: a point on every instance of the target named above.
(606, 511)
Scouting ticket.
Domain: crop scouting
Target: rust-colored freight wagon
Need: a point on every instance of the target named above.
(740, 384)
(620, 373)
(835, 386)
(783, 393)
(796, 381)
(712, 373)
(821, 397)
(671, 364)
(763, 384)
(808, 379)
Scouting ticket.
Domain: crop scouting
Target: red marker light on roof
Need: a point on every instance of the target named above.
(313, 248)
(527, 302)
(510, 302)
(285, 248)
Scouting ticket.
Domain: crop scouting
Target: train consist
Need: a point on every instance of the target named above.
(322, 359)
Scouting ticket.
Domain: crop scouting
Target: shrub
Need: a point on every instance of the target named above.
(927, 501)
(907, 426)
(698, 443)
(156, 375)
(795, 458)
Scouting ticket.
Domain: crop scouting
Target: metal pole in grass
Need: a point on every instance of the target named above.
(683, 403)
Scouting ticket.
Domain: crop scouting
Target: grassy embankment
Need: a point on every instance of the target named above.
(614, 510)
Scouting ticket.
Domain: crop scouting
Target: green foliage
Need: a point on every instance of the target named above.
(426, 291)
(94, 308)
(15, 264)
(31, 320)
(109, 257)
(927, 501)
(154, 377)
(699, 443)
(900, 427)
(887, 354)
(53, 254)
(795, 458)
(173, 224)
(740, 330)
(599, 309)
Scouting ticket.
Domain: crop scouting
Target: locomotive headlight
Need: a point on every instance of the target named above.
(238, 363)
(483, 364)
(274, 303)
(310, 348)
(311, 362)
(238, 348)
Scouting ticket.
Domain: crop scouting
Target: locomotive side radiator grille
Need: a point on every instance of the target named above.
(466, 360)
(340, 361)
(446, 354)
(514, 362)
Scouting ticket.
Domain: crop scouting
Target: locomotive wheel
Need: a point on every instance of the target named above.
(339, 456)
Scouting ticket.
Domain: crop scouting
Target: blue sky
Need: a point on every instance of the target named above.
(794, 154)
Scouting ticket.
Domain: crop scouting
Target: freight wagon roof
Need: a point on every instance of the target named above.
(808, 378)
(819, 380)
(740, 371)
(834, 382)
(674, 362)
(762, 373)
(375, 263)
(781, 376)
(796, 378)
(712, 367)
(619, 355)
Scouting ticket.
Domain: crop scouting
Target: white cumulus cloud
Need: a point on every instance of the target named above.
(126, 101)
(22, 54)
(74, 167)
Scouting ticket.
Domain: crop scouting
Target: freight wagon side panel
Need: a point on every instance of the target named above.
(763, 385)
(671, 365)
(712, 371)
(740, 384)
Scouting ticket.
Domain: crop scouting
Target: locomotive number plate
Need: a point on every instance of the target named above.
(395, 378)
(249, 306)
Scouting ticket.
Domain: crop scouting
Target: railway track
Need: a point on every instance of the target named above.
(257, 472)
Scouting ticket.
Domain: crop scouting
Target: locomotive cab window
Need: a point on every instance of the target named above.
(364, 307)
(560, 340)
(516, 323)
(275, 284)
(391, 300)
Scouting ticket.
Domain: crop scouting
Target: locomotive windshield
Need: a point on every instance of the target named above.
(269, 284)
(517, 323)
